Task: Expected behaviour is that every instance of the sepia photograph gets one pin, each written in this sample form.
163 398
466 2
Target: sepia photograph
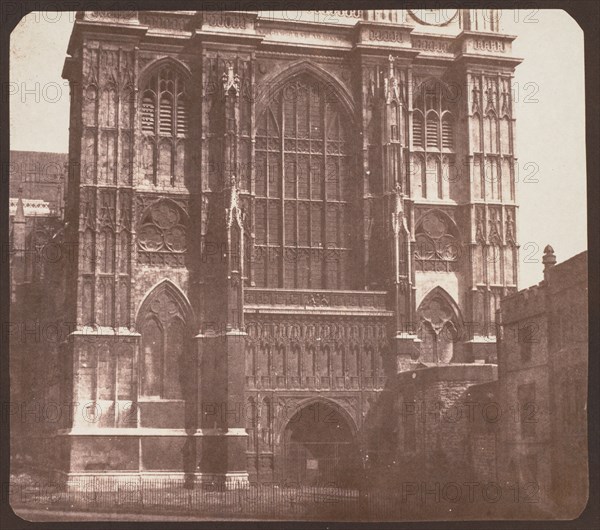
319 265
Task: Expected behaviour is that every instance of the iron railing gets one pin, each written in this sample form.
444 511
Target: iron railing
167 496
259 501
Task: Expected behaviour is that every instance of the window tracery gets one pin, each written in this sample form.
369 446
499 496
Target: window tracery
164 121
437 244
439 328
433 138
303 190
163 326
163 231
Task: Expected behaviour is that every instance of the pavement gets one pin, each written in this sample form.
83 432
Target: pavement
37 515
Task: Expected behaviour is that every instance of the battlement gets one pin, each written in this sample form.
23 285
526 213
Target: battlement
524 304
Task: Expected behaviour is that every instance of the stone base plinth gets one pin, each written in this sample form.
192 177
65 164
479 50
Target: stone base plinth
102 458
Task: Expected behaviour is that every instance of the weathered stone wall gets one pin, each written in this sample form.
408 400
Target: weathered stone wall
543 386
435 419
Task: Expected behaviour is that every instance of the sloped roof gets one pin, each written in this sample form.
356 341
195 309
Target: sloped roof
40 175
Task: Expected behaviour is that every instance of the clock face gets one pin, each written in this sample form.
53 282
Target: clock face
433 17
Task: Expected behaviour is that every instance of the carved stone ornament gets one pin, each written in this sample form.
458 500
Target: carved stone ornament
476 94
204 215
434 241
163 229
398 217
107 212
230 81
491 94
505 107
317 300
164 307
234 210
480 226
391 84
437 314
495 225
510 227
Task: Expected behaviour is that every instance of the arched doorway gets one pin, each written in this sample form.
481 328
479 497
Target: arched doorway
319 447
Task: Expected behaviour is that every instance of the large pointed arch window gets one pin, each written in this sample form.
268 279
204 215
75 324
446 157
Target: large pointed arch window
433 139
164 117
304 186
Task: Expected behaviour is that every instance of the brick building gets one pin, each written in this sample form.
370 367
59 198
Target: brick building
273 217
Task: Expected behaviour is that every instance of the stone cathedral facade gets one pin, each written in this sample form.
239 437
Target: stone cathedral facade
274 215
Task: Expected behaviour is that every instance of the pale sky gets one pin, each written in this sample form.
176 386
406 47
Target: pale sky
550 112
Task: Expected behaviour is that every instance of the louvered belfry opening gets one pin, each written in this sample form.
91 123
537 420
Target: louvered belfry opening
148 111
433 106
433 131
165 115
164 124
433 139
418 132
182 121
447 133
304 188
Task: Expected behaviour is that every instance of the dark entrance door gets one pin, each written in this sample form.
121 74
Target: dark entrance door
319 448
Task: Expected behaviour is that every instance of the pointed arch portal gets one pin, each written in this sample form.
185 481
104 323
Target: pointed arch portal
319 446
